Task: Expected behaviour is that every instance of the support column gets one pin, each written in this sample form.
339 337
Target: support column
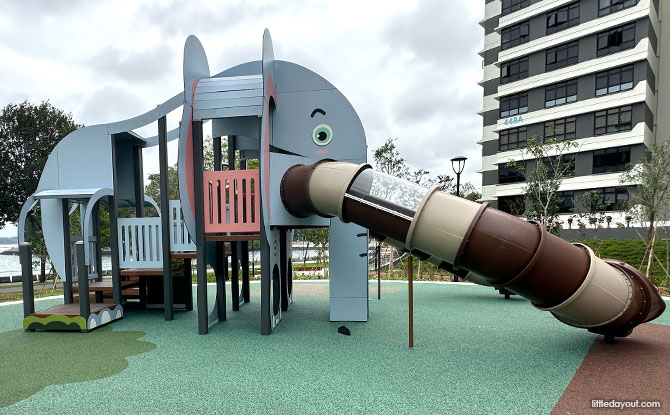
234 277
67 252
26 257
168 300
221 260
410 290
82 281
139 181
244 250
98 241
201 252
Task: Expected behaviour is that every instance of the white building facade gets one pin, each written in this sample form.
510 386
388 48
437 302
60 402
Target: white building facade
596 72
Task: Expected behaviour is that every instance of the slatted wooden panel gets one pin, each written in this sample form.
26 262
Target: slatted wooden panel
232 203
180 240
140 243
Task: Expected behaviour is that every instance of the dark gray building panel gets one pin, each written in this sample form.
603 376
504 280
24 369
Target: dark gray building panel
491 117
491 56
489 148
491 86
490 24
489 177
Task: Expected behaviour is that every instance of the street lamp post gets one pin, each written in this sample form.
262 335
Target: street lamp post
458 164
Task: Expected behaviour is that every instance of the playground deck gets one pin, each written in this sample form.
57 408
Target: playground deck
474 353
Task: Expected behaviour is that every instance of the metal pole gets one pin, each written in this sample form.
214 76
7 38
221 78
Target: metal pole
458 184
26 257
168 299
411 301
379 270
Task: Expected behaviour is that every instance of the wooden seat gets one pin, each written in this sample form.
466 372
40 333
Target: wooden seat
105 286
141 271
182 255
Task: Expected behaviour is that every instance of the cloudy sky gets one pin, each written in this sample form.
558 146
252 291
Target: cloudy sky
410 68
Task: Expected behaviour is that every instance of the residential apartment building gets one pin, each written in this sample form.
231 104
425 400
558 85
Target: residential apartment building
593 71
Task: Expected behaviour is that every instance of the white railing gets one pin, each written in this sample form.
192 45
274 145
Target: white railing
180 240
140 243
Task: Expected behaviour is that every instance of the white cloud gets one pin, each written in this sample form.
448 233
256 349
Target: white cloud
409 68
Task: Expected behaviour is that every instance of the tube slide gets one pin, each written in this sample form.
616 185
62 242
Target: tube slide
480 244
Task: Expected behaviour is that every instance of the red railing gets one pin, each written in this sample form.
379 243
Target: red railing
231 201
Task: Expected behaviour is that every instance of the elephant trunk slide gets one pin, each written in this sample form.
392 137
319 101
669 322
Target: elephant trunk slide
479 243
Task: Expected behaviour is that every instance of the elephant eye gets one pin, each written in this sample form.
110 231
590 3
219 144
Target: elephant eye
322 134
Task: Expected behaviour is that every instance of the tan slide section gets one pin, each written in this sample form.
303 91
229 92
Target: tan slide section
480 244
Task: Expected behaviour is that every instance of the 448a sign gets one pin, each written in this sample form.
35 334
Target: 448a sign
513 120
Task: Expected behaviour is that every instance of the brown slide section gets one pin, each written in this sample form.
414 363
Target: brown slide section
604 296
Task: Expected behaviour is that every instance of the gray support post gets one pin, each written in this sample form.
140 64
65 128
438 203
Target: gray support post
234 254
98 240
139 181
221 260
26 257
114 232
67 251
188 285
201 252
168 300
234 277
221 272
82 281
264 250
244 250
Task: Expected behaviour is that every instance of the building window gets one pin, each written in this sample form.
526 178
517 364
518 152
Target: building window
512 139
615 197
566 163
560 93
514 205
510 174
565 201
614 120
510 6
561 56
563 18
614 80
514 70
561 129
515 35
611 160
617 39
513 105
606 7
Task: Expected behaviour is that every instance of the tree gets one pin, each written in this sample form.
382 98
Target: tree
543 182
388 160
28 134
651 197
594 204
153 188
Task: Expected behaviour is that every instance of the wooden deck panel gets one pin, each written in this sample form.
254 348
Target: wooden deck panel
71 310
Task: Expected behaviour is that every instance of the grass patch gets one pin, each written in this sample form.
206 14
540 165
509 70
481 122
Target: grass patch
18 295
632 251
99 354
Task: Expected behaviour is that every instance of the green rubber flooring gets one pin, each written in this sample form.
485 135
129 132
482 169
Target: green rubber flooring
475 353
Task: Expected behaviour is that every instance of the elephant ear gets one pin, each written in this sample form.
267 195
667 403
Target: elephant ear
196 67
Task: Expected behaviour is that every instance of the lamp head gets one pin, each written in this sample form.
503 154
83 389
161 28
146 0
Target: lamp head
458 164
